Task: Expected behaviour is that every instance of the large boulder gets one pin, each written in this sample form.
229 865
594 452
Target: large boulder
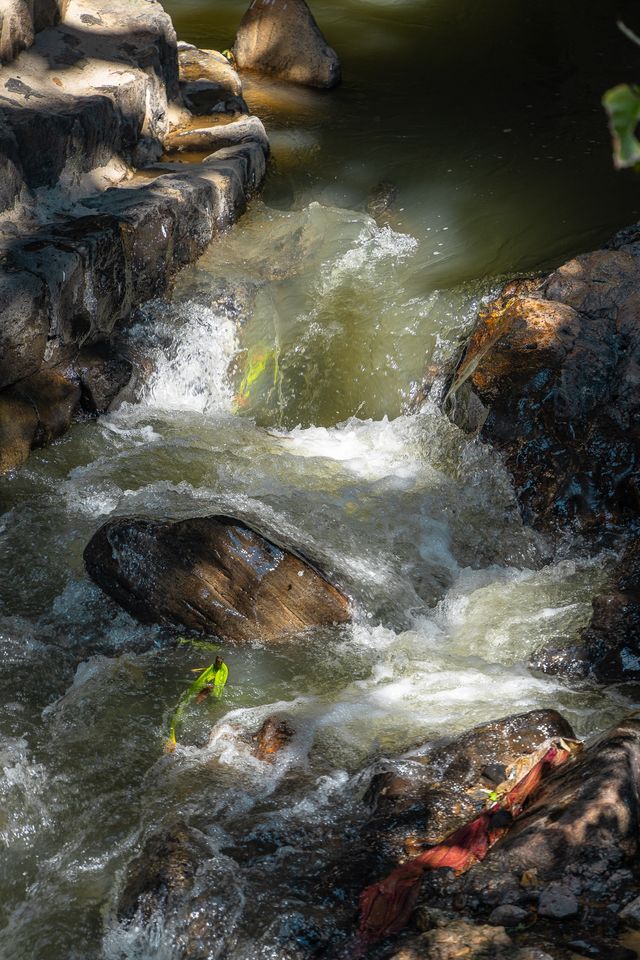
282 38
34 412
213 575
420 800
554 366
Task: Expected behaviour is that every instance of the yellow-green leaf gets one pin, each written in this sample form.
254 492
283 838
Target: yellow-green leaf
622 104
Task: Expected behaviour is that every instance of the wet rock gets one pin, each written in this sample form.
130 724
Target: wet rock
282 38
54 398
425 798
162 874
18 425
609 647
585 818
508 915
244 130
557 901
274 734
554 365
213 575
25 325
102 373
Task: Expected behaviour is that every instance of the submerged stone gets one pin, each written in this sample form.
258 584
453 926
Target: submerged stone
214 575
274 734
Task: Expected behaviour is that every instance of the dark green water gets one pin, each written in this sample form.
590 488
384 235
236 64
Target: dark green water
486 118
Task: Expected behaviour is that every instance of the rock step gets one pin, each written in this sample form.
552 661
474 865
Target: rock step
77 280
97 86
20 20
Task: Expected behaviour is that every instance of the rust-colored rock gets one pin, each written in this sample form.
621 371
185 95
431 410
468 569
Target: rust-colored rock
555 367
214 575
18 425
282 38
274 734
428 797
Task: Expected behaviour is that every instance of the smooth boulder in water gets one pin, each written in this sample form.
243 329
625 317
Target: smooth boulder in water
213 575
282 38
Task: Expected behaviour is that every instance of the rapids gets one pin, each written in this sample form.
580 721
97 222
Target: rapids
280 379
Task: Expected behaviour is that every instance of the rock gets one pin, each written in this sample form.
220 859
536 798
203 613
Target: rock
208 82
630 913
55 400
554 365
425 798
245 130
274 734
508 915
213 575
18 425
102 373
458 940
557 901
586 817
609 647
164 871
25 325
281 38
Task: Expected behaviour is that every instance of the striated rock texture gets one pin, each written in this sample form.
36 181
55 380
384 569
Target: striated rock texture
577 837
211 574
555 366
281 38
425 798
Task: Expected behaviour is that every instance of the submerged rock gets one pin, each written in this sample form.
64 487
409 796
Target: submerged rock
213 575
102 373
34 412
282 38
424 799
274 734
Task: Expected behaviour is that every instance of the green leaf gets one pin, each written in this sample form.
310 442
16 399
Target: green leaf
622 104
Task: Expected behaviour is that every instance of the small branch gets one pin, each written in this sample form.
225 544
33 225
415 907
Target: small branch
628 33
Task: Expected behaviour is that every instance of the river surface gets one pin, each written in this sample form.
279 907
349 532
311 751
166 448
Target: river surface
280 387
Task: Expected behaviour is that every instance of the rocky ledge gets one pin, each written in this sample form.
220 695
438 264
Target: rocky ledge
97 90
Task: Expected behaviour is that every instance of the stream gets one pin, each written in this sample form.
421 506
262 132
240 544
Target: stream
283 376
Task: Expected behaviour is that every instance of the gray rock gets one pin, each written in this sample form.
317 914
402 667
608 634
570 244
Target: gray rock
557 901
281 38
631 914
221 135
508 915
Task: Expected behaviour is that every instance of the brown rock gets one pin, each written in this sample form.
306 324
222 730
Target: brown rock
54 398
458 940
274 734
555 367
18 425
211 574
434 794
208 82
281 38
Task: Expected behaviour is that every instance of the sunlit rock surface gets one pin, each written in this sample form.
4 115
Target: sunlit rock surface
426 797
282 38
213 575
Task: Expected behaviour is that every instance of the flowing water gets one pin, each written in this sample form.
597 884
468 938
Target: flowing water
281 375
